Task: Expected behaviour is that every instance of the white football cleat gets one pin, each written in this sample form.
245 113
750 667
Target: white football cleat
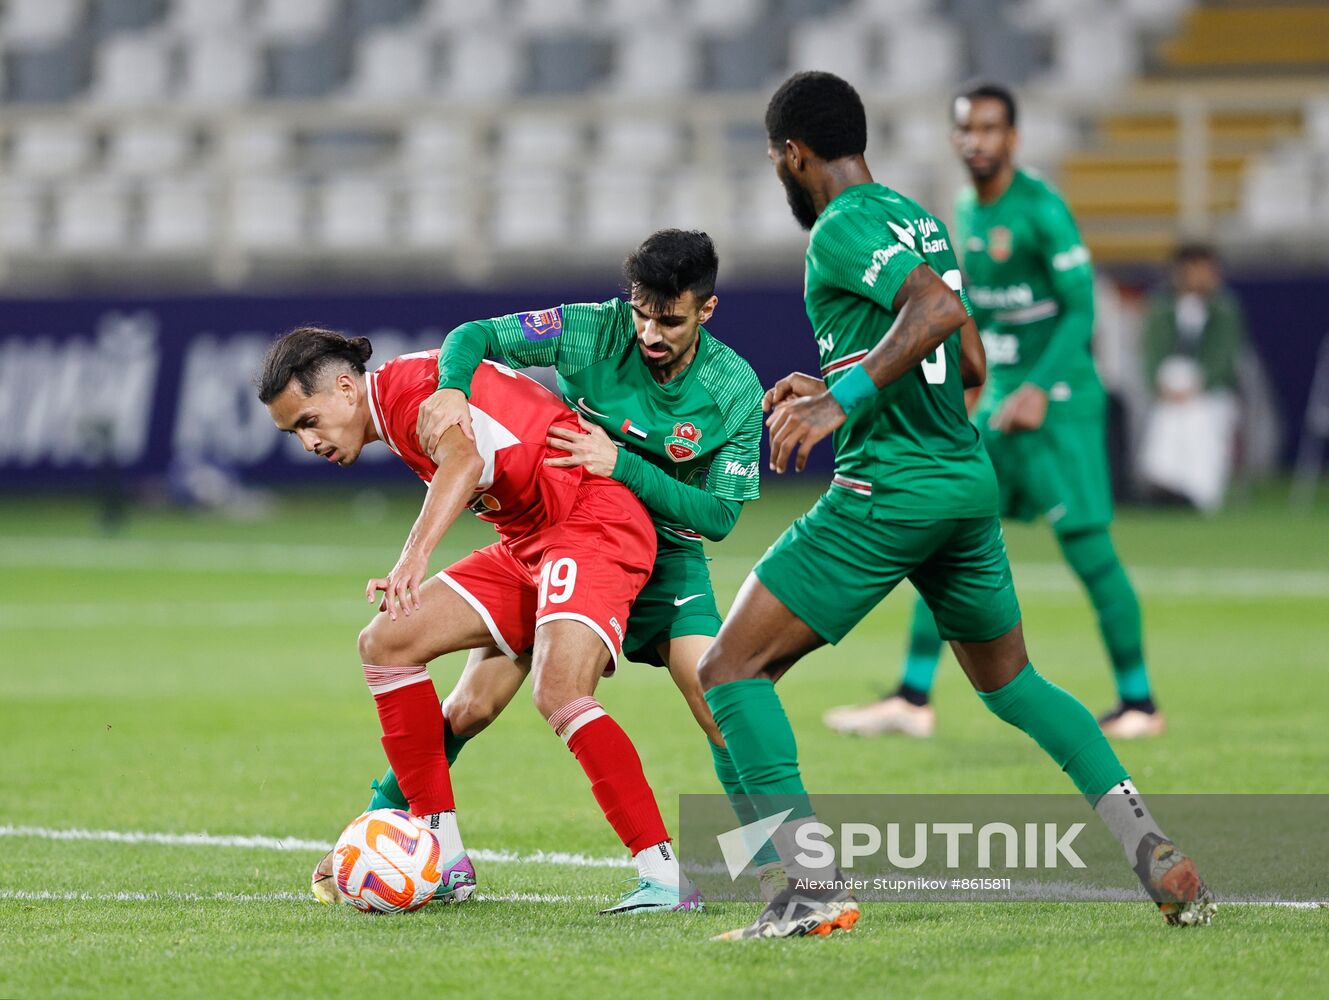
889 715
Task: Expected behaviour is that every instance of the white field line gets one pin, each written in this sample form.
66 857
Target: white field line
265 843
45 895
166 557
260 842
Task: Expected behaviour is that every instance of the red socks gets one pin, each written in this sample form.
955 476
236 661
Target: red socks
413 735
611 762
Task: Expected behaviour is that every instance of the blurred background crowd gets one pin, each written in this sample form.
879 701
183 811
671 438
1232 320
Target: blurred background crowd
181 179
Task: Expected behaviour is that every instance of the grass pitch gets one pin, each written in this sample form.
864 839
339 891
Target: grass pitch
195 674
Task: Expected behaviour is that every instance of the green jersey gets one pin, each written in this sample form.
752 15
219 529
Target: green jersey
1032 288
701 429
910 450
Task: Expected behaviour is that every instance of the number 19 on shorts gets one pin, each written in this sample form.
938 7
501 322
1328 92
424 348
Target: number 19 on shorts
558 578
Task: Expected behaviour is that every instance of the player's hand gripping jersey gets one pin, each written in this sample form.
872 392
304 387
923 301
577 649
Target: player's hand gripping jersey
909 453
1030 280
574 545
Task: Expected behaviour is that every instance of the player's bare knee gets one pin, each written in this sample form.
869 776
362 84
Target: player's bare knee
717 668
470 716
371 644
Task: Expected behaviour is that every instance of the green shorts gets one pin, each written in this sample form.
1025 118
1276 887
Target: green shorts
1059 471
677 600
836 563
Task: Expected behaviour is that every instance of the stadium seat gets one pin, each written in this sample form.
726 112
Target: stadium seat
293 21
268 212
390 64
1094 54
49 74
430 144
219 69
695 198
49 148
840 43
147 147
179 214
620 207
460 15
353 211
545 16
436 211
743 60
22 214
131 69
531 210
709 17
307 69
661 62
1278 193
531 141
632 141
39 23
922 57
565 65
206 17
92 213
481 65
638 15
257 145
761 212
364 15
126 15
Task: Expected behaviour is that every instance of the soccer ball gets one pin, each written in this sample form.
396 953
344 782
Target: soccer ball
384 863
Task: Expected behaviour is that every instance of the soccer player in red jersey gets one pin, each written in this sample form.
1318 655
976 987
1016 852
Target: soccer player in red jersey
573 551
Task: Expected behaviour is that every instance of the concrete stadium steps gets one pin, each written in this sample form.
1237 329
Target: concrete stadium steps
1292 37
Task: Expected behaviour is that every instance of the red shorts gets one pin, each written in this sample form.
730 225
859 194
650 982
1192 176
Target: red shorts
589 567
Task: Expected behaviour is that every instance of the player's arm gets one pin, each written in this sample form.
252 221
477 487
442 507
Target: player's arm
459 469
927 311
1067 261
566 337
709 515
973 359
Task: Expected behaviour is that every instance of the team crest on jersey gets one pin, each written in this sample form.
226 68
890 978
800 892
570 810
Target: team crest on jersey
684 443
542 325
1000 243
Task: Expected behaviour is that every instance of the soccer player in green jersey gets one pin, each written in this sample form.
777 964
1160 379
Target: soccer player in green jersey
669 411
913 497
1042 414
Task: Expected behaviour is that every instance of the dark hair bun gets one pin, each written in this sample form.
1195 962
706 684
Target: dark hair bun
361 348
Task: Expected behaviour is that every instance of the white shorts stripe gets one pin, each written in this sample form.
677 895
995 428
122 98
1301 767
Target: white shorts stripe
589 623
482 611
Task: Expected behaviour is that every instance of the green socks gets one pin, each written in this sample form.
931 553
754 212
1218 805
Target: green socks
744 808
924 650
761 743
388 794
1094 560
1062 727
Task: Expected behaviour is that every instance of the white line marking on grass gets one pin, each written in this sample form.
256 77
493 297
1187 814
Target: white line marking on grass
46 895
264 843
165 557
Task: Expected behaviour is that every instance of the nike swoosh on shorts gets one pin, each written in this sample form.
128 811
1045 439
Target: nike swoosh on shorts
680 601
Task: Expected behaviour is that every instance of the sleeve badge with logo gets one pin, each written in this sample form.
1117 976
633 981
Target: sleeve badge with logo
542 325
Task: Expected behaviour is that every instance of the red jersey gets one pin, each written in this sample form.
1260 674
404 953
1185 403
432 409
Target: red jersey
511 415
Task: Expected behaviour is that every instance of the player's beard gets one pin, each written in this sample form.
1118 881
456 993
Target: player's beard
800 202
